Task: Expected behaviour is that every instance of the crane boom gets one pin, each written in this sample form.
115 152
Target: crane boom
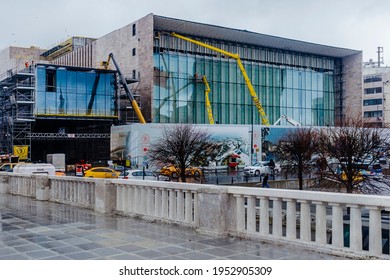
256 101
126 88
208 104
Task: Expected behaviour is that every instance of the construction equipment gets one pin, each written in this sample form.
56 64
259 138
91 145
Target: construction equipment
137 110
208 104
256 101
288 119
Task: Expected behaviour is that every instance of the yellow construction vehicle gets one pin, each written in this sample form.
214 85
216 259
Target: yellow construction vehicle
256 101
137 110
208 104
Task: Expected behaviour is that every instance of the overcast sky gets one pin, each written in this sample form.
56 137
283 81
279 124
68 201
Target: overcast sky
353 24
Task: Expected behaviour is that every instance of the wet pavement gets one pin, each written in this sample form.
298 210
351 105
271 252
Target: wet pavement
40 230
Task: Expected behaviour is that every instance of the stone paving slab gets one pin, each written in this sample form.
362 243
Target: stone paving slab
41 230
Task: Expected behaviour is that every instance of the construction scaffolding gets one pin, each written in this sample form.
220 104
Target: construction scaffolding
16 109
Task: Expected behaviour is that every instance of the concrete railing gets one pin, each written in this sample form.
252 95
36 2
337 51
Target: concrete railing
316 220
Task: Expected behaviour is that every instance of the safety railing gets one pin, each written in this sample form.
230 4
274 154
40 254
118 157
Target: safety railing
339 223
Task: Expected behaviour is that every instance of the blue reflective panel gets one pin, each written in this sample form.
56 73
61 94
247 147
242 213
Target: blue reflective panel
75 93
40 90
304 94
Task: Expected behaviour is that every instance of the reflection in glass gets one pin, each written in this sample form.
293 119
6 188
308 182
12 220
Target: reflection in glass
76 93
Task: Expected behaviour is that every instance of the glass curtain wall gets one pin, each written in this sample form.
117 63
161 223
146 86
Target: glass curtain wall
304 92
71 93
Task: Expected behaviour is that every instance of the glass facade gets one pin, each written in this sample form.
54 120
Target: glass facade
297 85
64 92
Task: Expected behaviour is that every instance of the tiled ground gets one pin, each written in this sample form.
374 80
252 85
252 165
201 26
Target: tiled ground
35 230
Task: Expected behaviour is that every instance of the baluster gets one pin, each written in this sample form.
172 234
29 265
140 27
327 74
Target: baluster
188 206
355 231
240 218
119 194
150 201
277 217
164 203
251 214
291 219
172 204
375 227
305 221
157 202
180 205
337 225
264 215
320 222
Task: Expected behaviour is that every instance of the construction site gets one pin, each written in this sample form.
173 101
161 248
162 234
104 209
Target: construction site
159 70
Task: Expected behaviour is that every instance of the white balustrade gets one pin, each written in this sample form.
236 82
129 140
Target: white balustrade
322 220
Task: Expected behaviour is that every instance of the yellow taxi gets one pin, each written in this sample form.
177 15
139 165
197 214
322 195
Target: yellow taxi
101 172
7 166
173 171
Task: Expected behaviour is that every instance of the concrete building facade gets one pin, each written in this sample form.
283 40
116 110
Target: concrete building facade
376 91
311 83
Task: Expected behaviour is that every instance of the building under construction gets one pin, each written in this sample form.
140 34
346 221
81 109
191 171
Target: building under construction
310 83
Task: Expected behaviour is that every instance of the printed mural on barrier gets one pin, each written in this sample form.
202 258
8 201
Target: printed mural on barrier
132 142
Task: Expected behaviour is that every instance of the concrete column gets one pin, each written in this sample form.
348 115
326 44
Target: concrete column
291 220
172 204
188 207
4 184
251 214
240 214
355 230
157 202
320 222
119 195
305 221
277 217
164 203
42 187
337 225
129 197
143 200
264 215
212 208
150 201
180 205
375 227
105 196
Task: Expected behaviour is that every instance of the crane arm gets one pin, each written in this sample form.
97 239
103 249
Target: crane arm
127 90
256 101
208 104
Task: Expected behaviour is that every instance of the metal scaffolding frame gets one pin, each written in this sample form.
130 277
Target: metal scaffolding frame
67 136
17 91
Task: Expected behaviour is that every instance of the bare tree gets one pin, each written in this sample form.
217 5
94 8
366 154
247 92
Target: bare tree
348 147
295 150
183 145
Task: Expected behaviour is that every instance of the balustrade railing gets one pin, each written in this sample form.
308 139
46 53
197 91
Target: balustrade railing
333 222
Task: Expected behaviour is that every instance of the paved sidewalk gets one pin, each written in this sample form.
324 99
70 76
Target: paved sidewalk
35 230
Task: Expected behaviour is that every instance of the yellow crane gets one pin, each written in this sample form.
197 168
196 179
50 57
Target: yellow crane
256 101
208 104
134 103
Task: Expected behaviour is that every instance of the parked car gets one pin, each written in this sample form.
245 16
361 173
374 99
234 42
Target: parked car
7 167
259 168
116 167
34 168
138 175
101 172
173 171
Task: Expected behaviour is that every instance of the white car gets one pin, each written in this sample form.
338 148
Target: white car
258 168
138 175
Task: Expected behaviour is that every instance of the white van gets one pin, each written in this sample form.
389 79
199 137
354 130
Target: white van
34 168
